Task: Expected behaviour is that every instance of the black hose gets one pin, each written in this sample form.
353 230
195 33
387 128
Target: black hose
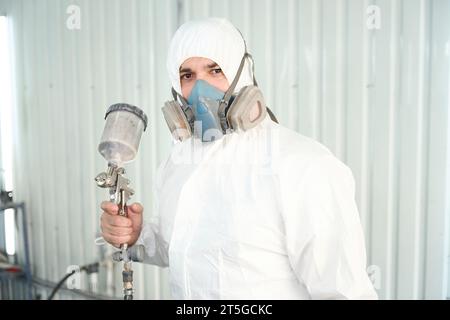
60 283
90 268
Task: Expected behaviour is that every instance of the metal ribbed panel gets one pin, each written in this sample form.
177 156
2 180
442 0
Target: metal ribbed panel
437 188
67 80
377 98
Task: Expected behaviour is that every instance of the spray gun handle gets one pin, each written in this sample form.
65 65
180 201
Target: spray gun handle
123 193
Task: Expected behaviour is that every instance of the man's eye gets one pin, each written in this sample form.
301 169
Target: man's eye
216 71
186 76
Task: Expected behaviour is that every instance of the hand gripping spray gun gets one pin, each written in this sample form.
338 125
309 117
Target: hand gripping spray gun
119 144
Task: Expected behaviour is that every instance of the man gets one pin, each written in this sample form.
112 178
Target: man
258 213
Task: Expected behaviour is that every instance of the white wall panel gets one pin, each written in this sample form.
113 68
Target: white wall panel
379 99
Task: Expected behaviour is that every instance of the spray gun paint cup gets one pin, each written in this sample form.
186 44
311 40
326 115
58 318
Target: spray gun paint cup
122 133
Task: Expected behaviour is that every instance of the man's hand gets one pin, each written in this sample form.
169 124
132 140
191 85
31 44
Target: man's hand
118 230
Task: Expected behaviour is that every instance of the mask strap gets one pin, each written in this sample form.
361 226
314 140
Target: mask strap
176 95
226 99
271 115
249 56
233 85
253 69
185 107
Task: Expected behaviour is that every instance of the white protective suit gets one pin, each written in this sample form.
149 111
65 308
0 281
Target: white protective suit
261 214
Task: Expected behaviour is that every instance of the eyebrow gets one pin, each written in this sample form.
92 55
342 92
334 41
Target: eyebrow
189 70
212 65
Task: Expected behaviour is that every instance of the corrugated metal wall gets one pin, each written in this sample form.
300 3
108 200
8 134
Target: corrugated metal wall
67 79
379 98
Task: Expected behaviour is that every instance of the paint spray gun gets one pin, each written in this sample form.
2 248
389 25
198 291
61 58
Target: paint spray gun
119 144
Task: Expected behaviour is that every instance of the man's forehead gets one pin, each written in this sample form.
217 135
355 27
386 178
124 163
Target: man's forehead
198 62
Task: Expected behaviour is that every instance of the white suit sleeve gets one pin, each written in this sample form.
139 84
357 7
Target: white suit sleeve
156 248
324 236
